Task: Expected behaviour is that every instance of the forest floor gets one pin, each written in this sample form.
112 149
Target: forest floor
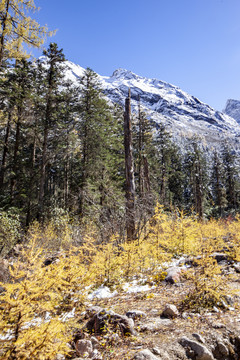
217 330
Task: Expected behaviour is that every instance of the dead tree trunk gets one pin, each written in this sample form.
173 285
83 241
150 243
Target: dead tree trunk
129 171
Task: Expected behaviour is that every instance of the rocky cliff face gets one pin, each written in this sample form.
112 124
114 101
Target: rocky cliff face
184 115
232 109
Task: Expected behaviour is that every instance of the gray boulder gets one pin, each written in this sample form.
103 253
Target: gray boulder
173 275
136 314
155 325
84 348
199 338
200 351
101 321
170 311
145 355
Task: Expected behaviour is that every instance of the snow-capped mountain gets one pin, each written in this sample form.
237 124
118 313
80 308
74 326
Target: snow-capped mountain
184 115
232 109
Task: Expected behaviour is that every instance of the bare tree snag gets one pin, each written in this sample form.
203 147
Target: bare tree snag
129 170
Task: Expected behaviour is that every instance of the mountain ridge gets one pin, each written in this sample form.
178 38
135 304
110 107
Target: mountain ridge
184 115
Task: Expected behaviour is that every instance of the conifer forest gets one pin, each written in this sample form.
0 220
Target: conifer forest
94 195
63 150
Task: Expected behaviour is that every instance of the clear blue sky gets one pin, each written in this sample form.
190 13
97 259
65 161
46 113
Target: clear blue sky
194 44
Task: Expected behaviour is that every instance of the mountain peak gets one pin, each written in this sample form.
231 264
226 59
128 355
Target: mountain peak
183 114
124 74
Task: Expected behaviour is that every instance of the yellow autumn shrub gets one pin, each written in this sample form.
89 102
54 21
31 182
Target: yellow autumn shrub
33 318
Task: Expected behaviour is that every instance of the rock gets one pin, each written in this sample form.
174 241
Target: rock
100 322
192 261
97 324
199 338
200 351
222 348
220 351
136 314
219 257
236 267
230 300
145 355
95 342
125 324
156 351
92 311
113 339
49 261
163 354
84 348
218 325
173 275
170 311
156 325
96 355
236 343
60 357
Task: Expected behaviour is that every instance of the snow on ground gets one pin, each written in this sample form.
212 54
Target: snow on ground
101 293
134 287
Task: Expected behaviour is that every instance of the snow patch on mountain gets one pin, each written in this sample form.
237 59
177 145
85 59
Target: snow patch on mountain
73 71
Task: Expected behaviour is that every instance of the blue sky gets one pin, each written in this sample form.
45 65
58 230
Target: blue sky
194 44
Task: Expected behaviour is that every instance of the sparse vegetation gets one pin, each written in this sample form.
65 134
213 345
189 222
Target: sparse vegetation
32 321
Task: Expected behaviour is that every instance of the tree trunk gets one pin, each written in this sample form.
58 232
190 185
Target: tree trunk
15 156
45 142
5 150
32 180
129 171
43 170
2 38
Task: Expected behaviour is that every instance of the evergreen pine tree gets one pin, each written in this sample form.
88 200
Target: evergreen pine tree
54 58
218 189
231 178
169 173
16 94
102 153
196 178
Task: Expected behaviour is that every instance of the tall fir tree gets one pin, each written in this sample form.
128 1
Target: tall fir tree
231 177
218 188
53 60
196 179
102 153
16 89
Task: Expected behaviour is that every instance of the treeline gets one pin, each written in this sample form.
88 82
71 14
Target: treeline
62 149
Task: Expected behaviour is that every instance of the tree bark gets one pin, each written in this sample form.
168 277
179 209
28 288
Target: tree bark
5 150
2 38
129 171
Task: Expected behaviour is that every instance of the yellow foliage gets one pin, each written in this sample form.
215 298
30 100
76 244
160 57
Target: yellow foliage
18 28
34 302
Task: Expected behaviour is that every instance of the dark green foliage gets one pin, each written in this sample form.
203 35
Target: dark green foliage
196 179
169 172
100 133
61 146
218 186
231 178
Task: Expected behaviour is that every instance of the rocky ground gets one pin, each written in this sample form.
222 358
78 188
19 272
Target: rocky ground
148 321
151 325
